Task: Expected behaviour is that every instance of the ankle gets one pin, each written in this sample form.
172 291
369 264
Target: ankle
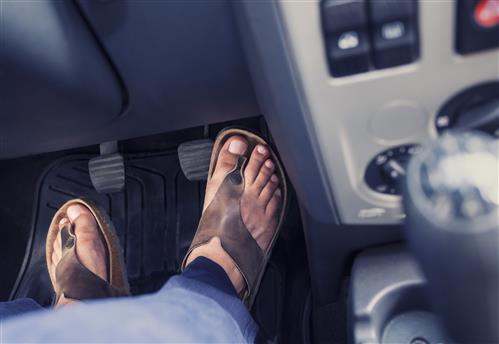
214 251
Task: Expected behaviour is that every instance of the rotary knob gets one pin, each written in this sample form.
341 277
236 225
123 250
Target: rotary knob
387 170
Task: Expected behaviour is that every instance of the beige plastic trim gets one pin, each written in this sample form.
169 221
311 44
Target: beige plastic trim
359 116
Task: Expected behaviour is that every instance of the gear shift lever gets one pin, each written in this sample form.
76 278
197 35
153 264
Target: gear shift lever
451 200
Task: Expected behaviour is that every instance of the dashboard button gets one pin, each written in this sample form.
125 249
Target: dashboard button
487 13
348 52
477 25
343 15
347 40
395 32
383 11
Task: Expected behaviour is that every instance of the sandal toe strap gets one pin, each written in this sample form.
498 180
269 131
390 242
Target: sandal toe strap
222 218
74 280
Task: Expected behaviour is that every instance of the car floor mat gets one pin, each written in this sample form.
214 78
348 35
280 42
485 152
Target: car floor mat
155 217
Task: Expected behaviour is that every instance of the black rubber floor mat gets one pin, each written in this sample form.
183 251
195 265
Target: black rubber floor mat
155 216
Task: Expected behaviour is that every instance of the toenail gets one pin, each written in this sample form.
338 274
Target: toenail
274 178
269 164
278 192
73 212
261 149
63 221
237 147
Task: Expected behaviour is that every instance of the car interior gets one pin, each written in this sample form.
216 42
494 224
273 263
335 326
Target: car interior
120 101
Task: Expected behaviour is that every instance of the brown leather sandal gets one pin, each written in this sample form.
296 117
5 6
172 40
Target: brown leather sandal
72 279
222 217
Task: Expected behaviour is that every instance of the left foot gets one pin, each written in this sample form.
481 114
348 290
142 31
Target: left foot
90 249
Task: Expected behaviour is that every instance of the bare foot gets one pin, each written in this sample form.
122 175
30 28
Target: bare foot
89 249
260 202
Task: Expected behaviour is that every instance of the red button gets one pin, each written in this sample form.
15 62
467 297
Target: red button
487 13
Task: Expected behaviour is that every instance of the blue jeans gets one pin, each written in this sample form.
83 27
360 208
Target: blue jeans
200 305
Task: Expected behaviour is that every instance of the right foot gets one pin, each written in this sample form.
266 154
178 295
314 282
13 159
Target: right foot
260 202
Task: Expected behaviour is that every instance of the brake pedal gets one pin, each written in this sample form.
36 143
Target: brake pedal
194 157
107 171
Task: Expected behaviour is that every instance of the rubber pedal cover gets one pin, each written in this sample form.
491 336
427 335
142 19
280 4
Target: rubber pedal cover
107 173
194 157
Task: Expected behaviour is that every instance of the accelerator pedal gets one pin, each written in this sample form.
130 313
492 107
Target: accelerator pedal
107 171
194 157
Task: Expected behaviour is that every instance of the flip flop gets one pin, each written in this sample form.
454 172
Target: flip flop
222 217
70 277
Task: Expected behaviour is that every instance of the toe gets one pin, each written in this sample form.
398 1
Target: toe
258 157
274 203
83 220
57 252
269 189
55 258
90 248
263 175
232 149
63 222
230 152
57 247
57 243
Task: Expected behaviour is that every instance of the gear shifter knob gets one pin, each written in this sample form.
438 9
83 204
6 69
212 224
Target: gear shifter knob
451 200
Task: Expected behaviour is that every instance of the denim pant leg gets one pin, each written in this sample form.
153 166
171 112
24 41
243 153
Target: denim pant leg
200 305
16 307
207 278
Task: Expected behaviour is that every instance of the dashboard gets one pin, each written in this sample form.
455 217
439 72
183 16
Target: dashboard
348 88
381 98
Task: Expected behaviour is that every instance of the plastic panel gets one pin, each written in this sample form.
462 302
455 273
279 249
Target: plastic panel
46 90
356 117
388 302
179 62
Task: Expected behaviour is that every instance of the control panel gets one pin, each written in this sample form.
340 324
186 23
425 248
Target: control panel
365 35
366 115
387 170
475 108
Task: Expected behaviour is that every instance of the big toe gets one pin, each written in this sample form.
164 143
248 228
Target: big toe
230 152
83 220
90 248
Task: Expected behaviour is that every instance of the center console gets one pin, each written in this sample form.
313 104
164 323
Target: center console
388 302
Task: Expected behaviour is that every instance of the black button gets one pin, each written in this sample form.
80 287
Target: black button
395 32
343 15
346 27
348 52
477 25
383 11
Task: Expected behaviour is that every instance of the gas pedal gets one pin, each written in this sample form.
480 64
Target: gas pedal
194 157
107 171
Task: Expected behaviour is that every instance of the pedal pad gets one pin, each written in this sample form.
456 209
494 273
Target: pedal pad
107 171
194 157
